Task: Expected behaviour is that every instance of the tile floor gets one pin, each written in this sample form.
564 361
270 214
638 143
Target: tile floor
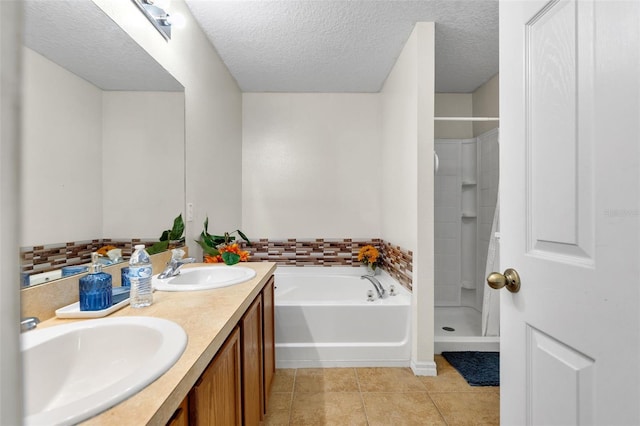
379 396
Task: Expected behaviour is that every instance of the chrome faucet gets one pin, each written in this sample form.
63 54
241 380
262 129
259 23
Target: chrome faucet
173 267
28 323
379 289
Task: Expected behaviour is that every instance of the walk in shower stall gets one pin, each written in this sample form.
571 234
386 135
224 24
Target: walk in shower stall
466 243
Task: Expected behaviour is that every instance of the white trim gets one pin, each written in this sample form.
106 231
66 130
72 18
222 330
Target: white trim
463 343
340 363
11 389
427 368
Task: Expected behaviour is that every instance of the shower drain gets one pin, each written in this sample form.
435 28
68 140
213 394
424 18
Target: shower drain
448 329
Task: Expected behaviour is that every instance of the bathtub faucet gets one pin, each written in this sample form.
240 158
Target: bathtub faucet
376 284
173 267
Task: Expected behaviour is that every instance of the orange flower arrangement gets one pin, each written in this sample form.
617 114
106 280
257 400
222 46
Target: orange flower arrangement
232 248
222 248
369 255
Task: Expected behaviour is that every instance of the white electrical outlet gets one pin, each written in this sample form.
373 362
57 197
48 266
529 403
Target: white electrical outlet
189 212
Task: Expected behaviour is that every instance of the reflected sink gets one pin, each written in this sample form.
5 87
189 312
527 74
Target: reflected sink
204 278
75 371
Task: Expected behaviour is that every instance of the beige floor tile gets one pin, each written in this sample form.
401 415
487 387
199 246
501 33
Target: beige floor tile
442 363
327 408
276 419
468 408
279 409
388 380
401 408
392 396
283 380
326 380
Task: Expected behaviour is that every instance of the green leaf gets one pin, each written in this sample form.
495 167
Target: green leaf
230 258
158 247
178 228
207 240
244 237
165 236
206 225
217 239
211 251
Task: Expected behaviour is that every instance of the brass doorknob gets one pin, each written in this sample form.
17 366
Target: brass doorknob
510 280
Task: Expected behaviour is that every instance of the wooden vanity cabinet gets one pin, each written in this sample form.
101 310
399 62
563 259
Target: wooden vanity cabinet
234 388
258 354
252 364
269 338
216 398
181 416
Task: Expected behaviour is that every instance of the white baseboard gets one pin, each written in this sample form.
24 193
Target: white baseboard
427 368
339 363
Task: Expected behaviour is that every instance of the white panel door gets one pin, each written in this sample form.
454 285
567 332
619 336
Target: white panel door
570 211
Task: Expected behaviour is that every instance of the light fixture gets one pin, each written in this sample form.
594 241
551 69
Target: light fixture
156 12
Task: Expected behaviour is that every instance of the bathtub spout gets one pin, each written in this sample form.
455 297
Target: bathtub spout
376 284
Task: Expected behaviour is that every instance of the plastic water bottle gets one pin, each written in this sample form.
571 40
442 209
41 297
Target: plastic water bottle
140 278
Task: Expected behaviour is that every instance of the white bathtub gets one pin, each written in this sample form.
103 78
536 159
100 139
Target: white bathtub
323 319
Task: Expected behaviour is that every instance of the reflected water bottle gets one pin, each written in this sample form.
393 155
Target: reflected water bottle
140 278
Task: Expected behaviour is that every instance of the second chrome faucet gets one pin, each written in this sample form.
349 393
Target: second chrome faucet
173 267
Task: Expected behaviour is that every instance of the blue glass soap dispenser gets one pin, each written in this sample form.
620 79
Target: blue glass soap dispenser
95 287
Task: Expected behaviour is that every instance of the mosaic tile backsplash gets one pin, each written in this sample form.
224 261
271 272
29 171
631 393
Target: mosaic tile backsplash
332 252
398 262
290 252
37 259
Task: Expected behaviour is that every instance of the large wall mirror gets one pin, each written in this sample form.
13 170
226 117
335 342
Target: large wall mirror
102 137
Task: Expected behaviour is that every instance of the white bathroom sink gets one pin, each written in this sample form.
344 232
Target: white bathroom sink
75 371
204 278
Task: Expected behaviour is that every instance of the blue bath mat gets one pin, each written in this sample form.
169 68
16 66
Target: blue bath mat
477 368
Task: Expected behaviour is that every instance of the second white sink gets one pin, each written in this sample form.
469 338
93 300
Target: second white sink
204 278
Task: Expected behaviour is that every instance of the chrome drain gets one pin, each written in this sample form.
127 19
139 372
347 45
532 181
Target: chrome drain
448 329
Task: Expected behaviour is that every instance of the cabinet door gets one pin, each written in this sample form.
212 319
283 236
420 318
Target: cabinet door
252 372
181 416
268 328
216 397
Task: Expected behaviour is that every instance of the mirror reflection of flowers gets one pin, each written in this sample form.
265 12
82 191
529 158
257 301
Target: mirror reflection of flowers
102 251
170 238
370 256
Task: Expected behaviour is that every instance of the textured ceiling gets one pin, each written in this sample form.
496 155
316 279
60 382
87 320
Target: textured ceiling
347 46
80 37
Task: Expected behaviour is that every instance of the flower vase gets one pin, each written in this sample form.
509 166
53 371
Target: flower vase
372 269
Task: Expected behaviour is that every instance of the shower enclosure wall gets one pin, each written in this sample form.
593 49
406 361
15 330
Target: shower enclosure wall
466 190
